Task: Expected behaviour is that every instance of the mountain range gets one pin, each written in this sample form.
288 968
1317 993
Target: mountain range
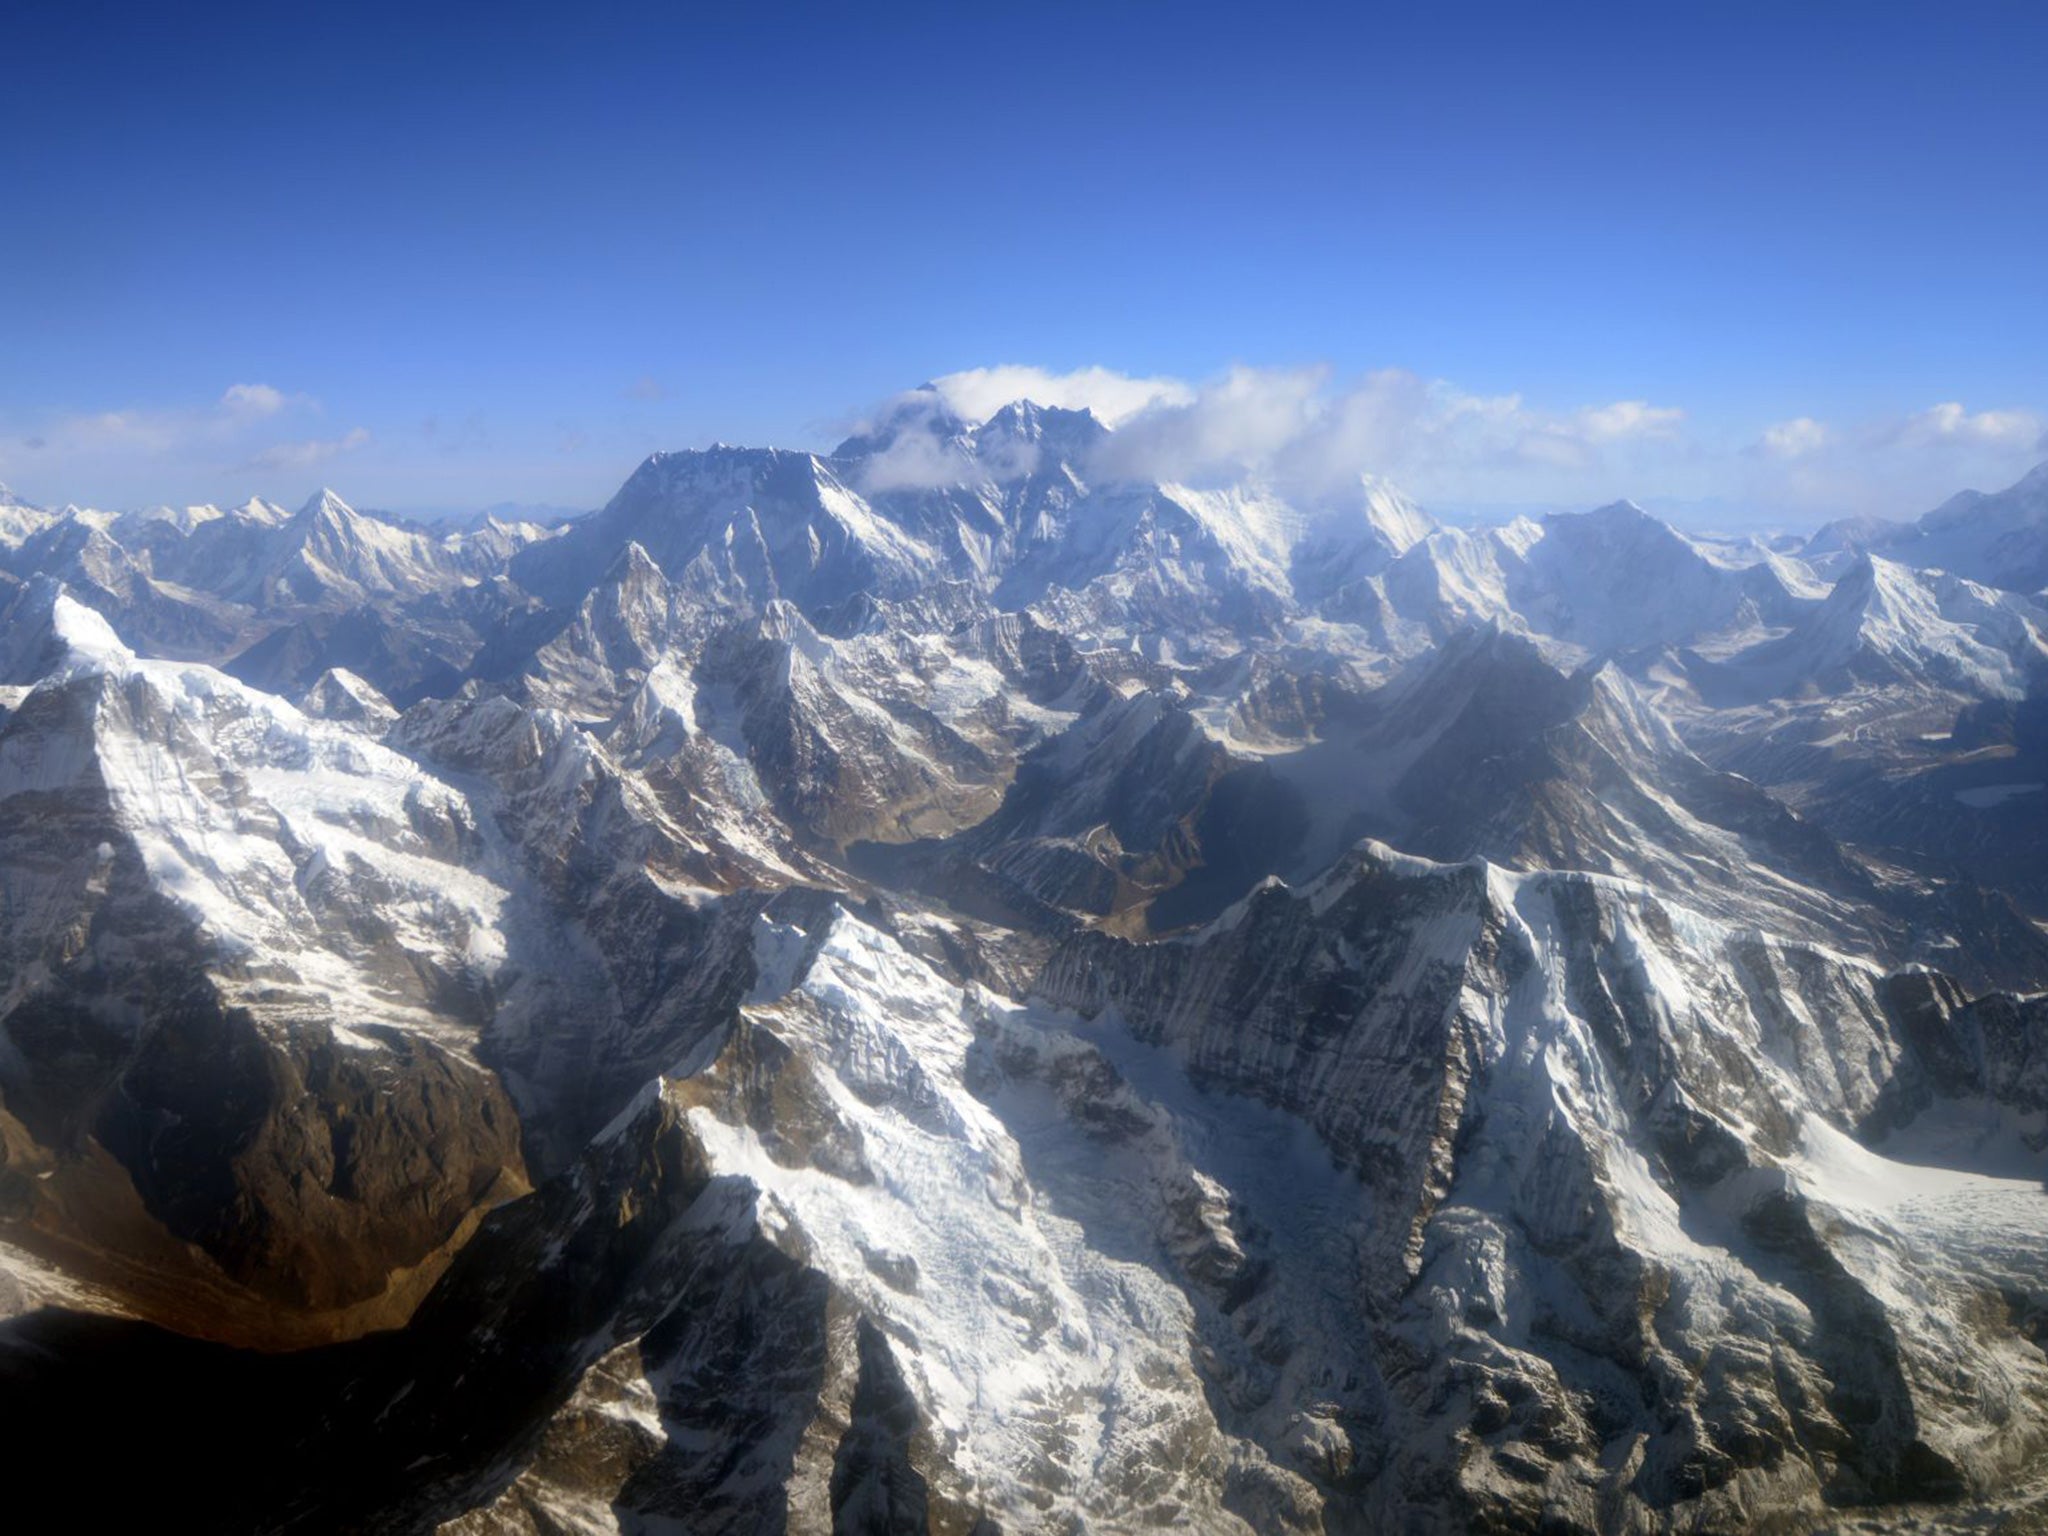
937 987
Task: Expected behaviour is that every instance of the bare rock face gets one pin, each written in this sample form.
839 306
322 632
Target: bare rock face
838 765
1608 1141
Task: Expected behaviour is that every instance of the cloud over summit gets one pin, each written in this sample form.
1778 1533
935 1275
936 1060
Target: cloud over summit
976 394
1300 427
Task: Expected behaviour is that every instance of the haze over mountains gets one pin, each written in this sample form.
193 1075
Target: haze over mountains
942 987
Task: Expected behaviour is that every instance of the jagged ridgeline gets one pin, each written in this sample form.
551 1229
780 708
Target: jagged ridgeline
936 988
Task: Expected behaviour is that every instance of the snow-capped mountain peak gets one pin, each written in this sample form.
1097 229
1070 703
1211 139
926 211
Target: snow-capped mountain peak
326 503
1998 538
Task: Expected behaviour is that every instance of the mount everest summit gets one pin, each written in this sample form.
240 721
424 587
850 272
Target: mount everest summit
940 988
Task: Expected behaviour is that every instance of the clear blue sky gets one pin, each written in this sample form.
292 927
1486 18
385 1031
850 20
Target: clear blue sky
502 252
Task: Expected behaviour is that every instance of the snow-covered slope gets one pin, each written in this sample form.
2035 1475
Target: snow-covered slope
1615 580
327 554
736 526
1886 623
18 518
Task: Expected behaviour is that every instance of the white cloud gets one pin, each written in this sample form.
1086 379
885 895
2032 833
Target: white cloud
237 411
1299 429
1313 434
920 459
117 432
1292 426
143 454
253 400
976 394
1897 465
304 455
1794 439
1627 418
1244 420
1949 421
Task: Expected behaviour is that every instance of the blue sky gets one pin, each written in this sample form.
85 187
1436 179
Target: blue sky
1755 261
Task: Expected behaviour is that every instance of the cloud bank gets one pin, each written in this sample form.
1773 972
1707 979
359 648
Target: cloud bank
1894 465
1313 433
247 429
1301 428
307 453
